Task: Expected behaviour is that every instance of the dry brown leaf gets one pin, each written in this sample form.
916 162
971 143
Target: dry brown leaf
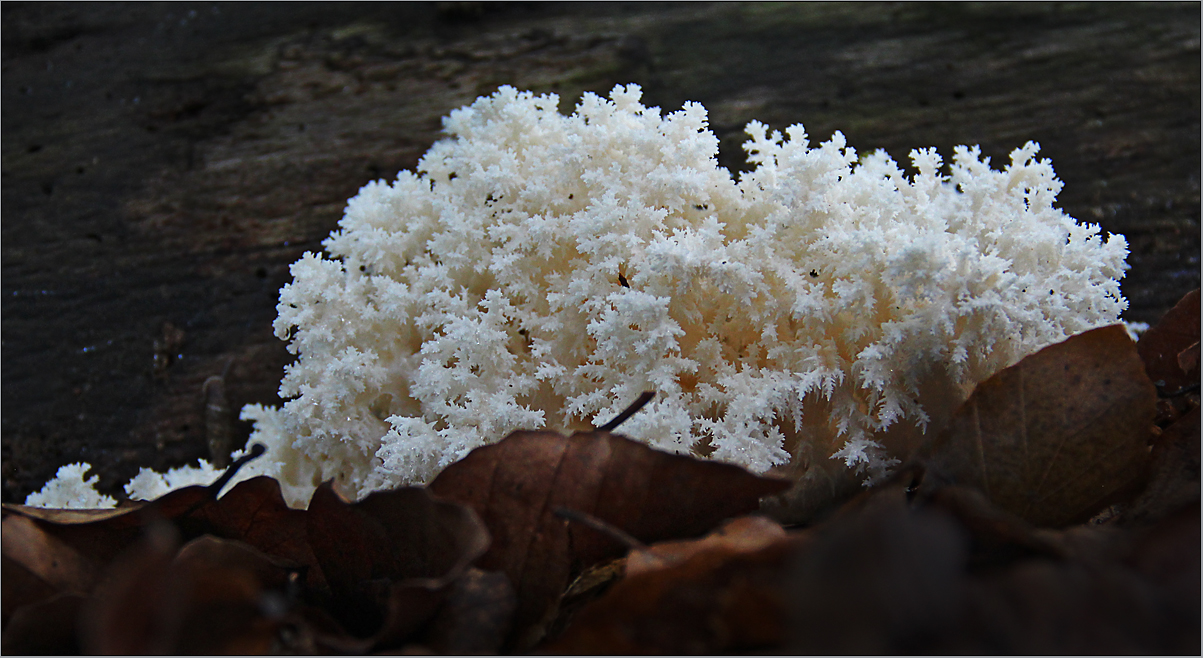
237 597
69 550
1162 344
1174 479
745 534
100 535
254 512
393 554
476 616
1168 555
47 627
741 535
1055 437
390 558
899 574
870 581
590 585
999 537
1188 360
55 562
21 587
717 601
137 606
515 486
212 596
1051 607
72 516
859 583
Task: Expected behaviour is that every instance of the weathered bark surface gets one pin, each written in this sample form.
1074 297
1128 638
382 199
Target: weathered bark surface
163 164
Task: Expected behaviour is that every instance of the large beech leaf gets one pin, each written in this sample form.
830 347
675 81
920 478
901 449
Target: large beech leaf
390 559
1057 436
516 486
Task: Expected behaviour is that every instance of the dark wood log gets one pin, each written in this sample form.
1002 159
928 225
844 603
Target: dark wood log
163 164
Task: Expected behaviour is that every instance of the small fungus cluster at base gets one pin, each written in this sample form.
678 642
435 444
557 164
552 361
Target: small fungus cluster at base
539 271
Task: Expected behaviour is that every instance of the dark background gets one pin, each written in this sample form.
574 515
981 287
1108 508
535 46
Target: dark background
163 164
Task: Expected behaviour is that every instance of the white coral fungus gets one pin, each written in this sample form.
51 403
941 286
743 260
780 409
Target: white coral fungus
69 490
149 485
541 270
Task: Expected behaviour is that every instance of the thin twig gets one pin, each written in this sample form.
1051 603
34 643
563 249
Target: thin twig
643 399
1189 388
215 488
597 524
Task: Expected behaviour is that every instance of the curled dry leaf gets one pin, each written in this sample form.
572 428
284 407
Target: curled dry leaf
47 627
79 542
390 559
898 573
100 535
590 585
382 566
1168 555
211 596
237 597
61 555
515 486
254 512
1170 350
744 534
56 563
999 537
21 586
716 601
138 606
741 535
1174 480
476 616
1188 359
67 548
1056 437
1161 346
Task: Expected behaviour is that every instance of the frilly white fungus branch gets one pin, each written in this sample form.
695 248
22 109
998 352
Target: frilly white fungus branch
541 270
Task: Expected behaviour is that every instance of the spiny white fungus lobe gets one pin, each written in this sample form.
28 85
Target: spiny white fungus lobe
542 270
